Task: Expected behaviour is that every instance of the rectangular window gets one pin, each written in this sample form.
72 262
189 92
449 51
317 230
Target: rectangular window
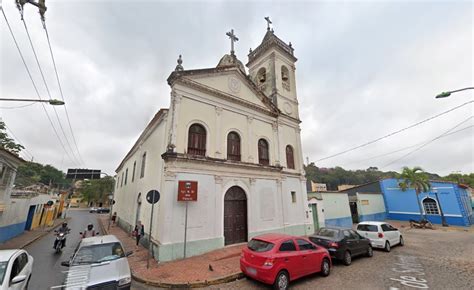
293 196
133 172
126 176
142 171
121 183
118 181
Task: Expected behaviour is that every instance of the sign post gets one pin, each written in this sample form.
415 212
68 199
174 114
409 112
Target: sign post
153 196
187 191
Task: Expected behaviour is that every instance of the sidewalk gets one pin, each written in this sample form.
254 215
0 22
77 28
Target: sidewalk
190 272
29 237
405 225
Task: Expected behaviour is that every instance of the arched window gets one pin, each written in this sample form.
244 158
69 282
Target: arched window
261 76
290 160
285 77
197 140
430 205
233 146
263 154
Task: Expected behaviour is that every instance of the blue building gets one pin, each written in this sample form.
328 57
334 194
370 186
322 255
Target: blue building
453 199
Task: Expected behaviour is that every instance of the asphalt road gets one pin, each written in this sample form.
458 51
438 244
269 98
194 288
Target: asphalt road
47 269
429 260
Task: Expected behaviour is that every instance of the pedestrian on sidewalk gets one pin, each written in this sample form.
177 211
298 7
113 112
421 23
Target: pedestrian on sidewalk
114 218
139 232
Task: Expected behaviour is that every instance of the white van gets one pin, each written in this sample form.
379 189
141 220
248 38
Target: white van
99 263
381 234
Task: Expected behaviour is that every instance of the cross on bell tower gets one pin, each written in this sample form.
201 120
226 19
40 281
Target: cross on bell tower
233 38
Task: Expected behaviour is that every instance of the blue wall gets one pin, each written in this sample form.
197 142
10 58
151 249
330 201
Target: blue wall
381 216
10 231
345 222
403 205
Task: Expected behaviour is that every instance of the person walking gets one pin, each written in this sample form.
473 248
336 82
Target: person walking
139 232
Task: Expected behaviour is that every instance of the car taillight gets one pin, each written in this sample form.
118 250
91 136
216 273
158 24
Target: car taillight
380 235
269 262
334 245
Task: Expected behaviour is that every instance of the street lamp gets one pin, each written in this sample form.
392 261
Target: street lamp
52 102
448 93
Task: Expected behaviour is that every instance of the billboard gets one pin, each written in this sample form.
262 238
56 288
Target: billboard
79 174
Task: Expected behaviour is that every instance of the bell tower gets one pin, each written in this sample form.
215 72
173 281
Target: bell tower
272 68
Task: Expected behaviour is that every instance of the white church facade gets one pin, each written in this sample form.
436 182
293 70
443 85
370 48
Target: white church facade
238 136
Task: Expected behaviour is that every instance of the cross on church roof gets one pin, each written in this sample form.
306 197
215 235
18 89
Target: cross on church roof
268 22
233 38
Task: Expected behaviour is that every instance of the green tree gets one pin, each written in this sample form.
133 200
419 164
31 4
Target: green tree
416 179
97 190
31 173
8 143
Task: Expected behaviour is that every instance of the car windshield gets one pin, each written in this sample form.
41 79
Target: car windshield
98 253
330 233
3 269
259 245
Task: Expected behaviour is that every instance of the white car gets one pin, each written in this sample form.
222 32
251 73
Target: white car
15 269
99 263
381 234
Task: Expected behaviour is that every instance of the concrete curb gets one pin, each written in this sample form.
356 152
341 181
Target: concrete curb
40 236
220 280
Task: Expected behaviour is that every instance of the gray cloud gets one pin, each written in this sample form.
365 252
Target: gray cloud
365 69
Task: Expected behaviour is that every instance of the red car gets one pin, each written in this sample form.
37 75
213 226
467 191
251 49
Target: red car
278 259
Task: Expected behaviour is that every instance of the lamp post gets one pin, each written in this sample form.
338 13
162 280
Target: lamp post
52 102
443 219
448 93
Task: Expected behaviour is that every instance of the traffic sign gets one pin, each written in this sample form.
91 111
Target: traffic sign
153 196
187 190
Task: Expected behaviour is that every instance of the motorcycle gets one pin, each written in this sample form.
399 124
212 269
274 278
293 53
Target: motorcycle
423 224
59 242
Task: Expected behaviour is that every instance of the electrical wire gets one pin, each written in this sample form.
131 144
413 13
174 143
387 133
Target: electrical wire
18 107
395 132
61 92
47 90
427 143
34 84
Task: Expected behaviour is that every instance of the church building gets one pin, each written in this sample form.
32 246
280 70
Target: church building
233 139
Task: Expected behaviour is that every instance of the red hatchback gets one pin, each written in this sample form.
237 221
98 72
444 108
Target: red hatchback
278 259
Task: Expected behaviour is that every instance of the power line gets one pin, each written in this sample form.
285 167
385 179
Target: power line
394 133
408 147
47 90
428 142
33 82
61 91
18 107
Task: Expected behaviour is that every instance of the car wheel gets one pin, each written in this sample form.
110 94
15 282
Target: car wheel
387 246
347 260
402 242
370 251
325 267
282 281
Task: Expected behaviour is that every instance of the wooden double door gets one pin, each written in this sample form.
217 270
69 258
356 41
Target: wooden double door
235 216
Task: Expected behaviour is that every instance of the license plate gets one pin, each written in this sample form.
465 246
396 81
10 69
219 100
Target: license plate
251 271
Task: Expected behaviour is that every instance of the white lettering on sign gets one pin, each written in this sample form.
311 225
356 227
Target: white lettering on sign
410 265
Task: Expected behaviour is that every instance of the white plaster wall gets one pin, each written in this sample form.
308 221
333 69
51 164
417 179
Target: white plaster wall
16 212
336 205
376 203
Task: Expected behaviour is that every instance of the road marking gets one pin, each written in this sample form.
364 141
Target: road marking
409 265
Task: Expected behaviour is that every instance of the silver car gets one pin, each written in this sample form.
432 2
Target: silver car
99 263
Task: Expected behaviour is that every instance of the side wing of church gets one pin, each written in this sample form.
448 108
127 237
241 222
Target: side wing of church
238 136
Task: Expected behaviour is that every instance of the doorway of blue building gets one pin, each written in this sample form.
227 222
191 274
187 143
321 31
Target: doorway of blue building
354 212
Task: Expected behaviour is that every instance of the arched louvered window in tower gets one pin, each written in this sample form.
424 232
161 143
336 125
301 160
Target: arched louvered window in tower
290 160
233 146
197 140
263 153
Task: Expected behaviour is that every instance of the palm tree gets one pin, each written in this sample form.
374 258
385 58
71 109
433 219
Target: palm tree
416 179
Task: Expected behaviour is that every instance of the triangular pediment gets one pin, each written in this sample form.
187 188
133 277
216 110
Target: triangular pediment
232 83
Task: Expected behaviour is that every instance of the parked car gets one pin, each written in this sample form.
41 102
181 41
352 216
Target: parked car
342 244
15 269
381 234
93 209
278 259
103 210
106 263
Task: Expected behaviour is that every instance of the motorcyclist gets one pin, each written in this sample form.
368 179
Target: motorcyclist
63 229
89 232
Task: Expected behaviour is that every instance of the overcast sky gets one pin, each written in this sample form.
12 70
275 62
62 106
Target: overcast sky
365 69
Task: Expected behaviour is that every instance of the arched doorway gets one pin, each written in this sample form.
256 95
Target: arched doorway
235 216
139 206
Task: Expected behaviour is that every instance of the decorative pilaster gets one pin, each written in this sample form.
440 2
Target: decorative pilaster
175 103
279 184
299 154
277 143
218 132
251 142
